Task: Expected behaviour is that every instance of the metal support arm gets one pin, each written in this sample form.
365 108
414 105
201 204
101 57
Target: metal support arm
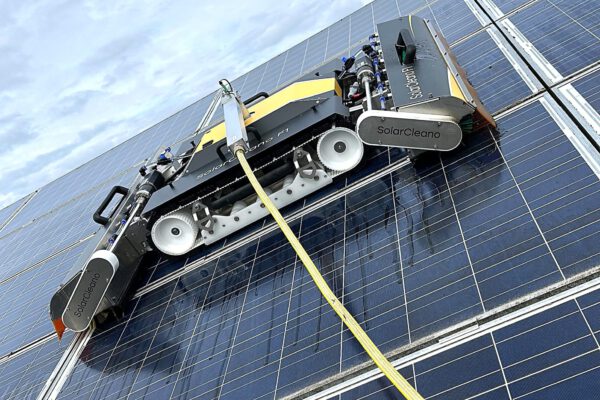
235 113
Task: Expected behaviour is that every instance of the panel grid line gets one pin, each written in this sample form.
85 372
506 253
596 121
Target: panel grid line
139 369
287 316
528 207
462 235
187 350
239 319
394 196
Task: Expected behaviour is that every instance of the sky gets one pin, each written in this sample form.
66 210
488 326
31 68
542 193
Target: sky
78 77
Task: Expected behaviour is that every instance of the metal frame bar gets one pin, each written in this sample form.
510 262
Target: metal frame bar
489 321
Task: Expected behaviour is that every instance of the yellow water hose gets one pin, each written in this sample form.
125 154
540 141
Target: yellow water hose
378 358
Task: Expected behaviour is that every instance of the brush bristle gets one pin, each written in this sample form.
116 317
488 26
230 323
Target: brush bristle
466 124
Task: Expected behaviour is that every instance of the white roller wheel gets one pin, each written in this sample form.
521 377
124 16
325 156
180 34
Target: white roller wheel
175 234
340 149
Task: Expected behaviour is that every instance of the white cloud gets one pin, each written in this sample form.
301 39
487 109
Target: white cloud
70 67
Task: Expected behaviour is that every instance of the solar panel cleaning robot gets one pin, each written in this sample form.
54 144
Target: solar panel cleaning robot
402 89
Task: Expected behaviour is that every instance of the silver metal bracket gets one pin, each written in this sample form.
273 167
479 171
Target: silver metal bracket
308 169
234 113
299 188
203 217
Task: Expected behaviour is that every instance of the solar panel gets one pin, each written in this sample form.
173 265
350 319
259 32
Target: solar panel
361 26
25 246
565 32
271 76
293 62
10 211
435 259
338 38
23 375
242 330
62 192
109 168
385 10
452 19
498 84
550 355
510 5
25 300
588 87
410 6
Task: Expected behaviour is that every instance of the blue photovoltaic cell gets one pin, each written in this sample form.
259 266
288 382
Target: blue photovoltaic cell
451 18
293 62
149 329
566 32
25 300
216 329
561 191
589 88
410 6
362 24
256 354
373 284
315 51
272 73
338 38
551 355
509 5
313 330
439 282
24 376
590 305
23 247
385 10
110 166
9 211
506 250
497 83
461 372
